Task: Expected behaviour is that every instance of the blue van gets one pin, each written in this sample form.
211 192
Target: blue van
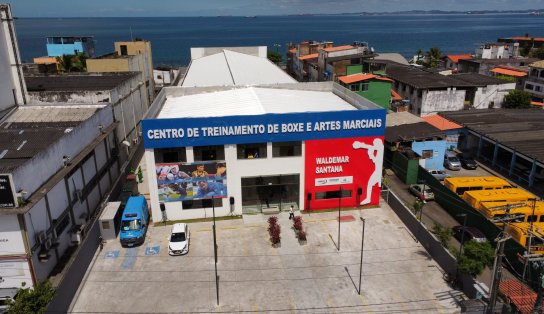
134 221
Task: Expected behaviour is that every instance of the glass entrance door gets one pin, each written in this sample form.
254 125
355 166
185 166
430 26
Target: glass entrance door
279 192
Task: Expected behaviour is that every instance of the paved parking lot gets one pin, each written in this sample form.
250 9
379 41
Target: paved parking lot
311 277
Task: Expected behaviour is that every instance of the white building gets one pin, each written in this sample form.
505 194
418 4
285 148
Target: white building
534 84
302 161
125 91
224 67
429 93
497 51
56 165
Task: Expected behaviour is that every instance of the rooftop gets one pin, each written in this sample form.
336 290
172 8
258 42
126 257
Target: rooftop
509 72
423 79
255 101
441 123
400 118
391 56
412 132
359 77
520 61
456 58
310 56
338 48
538 64
476 79
77 82
518 129
229 68
31 129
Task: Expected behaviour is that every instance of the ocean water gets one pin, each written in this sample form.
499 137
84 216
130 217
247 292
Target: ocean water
172 38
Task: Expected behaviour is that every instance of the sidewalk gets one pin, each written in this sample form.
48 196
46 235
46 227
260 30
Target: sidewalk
254 276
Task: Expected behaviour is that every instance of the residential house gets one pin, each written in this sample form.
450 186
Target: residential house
129 56
411 142
370 86
451 129
452 61
513 74
335 61
379 62
534 84
497 51
525 42
428 92
302 59
57 46
484 66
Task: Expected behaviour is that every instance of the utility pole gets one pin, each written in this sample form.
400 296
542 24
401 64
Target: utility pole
497 272
362 250
463 233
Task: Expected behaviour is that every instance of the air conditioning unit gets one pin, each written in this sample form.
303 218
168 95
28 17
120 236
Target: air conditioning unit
41 237
48 244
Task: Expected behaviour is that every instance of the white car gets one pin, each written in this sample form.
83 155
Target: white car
179 239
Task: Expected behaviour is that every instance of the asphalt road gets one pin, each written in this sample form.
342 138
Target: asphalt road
433 213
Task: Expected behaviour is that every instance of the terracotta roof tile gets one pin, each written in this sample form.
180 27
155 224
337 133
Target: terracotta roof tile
348 79
441 123
456 58
509 72
395 96
523 38
339 48
310 56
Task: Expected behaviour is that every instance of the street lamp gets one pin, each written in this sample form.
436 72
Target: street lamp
462 233
362 249
215 252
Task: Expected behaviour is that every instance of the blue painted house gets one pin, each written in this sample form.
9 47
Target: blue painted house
57 46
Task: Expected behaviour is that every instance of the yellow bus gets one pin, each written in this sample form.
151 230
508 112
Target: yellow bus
519 232
523 210
513 195
460 185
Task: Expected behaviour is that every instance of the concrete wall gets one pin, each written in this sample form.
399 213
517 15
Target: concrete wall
438 147
237 168
491 96
108 65
434 101
46 163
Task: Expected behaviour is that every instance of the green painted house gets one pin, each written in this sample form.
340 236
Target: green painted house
372 87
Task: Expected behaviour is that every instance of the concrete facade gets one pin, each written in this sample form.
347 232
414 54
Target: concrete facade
145 62
128 99
534 84
12 85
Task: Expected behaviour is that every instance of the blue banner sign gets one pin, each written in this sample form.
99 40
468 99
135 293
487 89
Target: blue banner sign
181 132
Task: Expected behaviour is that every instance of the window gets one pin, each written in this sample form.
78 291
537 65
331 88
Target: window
332 194
529 86
124 51
207 203
205 153
427 153
541 74
532 218
105 225
534 72
61 224
354 87
364 87
251 151
286 149
170 155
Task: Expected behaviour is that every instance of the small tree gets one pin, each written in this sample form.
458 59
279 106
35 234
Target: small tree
476 257
517 99
443 234
434 55
275 56
32 300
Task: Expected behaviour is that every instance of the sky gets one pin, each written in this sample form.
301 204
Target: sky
158 8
